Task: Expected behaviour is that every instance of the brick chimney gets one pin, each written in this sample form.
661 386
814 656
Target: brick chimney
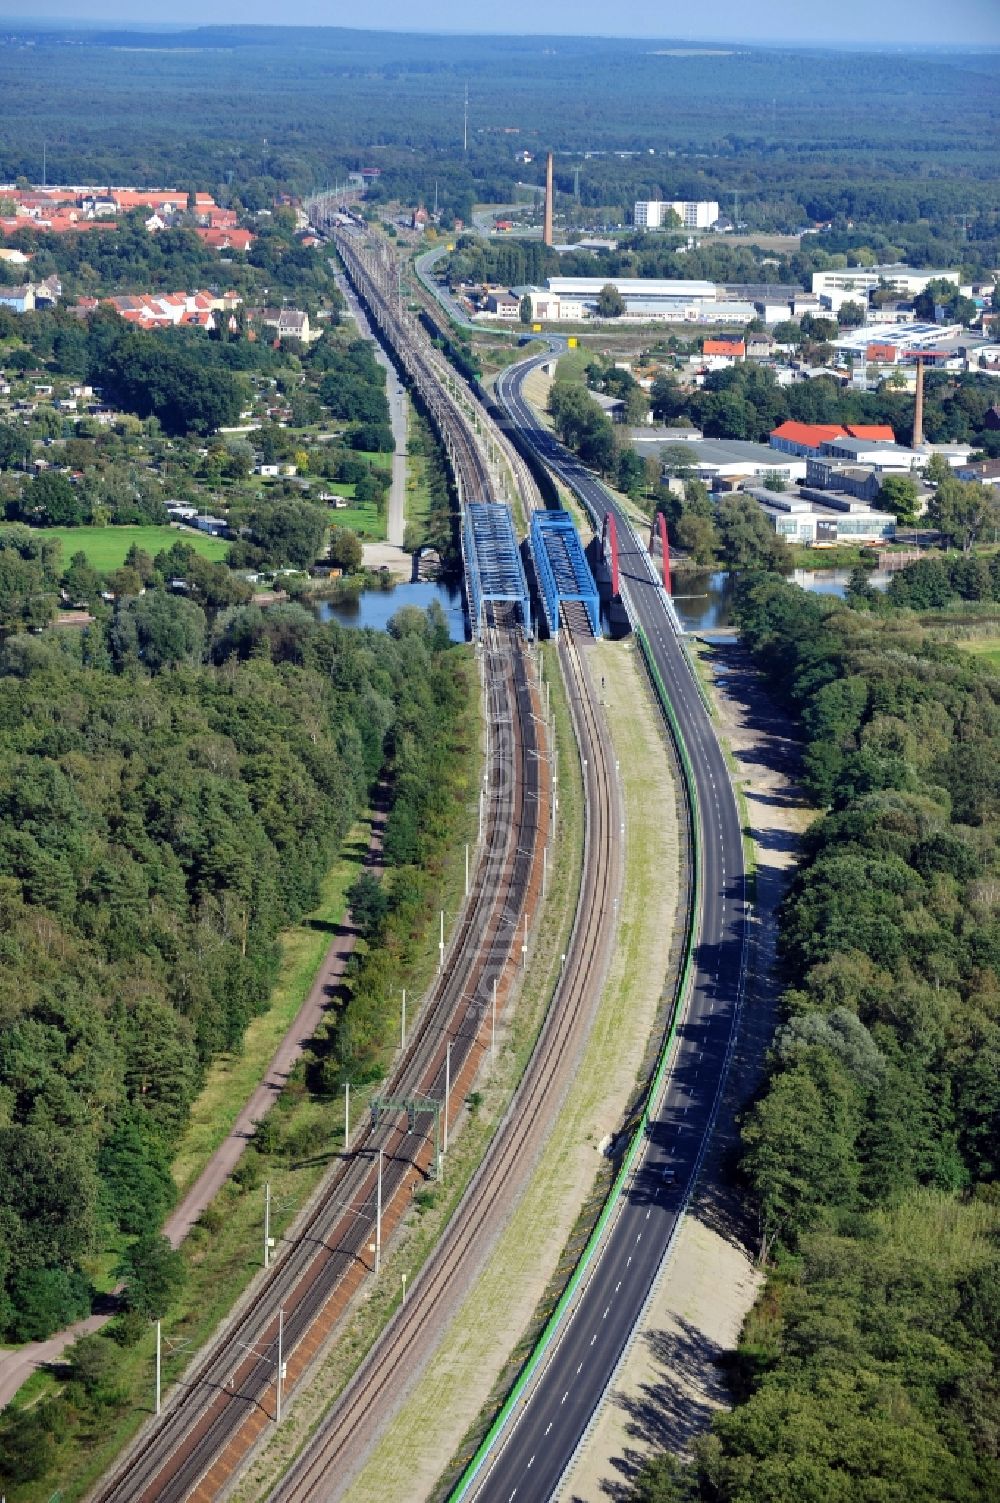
547 231
918 408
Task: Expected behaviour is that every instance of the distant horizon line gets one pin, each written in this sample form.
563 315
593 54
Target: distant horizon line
850 44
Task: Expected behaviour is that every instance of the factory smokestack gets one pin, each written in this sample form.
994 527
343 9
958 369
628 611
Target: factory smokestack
547 231
918 408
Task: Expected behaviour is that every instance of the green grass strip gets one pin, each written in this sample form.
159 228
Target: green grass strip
656 1084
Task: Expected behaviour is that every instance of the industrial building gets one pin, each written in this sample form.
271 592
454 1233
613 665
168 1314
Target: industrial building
907 281
887 459
727 463
792 437
694 214
646 299
891 343
802 519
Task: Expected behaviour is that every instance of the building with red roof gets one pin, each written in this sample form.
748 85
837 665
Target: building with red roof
808 438
804 438
735 349
237 240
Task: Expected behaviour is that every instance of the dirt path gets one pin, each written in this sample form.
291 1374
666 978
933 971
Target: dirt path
671 1380
16 1366
329 979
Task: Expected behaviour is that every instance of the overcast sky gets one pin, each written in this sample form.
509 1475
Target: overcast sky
847 21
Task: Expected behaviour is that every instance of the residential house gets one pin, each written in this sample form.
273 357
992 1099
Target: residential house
723 351
759 346
226 239
612 407
20 299
504 305
985 471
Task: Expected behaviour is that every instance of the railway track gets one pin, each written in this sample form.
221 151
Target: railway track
334 1455
228 1397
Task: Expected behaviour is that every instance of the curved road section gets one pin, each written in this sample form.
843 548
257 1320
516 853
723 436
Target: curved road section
534 1451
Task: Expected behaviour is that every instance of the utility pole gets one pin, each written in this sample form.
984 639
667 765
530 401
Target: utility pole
158 1367
466 868
281 1364
347 1114
441 944
267 1226
447 1094
493 1025
378 1217
402 1023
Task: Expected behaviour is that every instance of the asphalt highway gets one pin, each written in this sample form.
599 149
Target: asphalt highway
543 1436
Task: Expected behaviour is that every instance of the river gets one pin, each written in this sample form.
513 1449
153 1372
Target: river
704 599
375 607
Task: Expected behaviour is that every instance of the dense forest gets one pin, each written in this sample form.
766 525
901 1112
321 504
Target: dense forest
173 788
868 1370
267 108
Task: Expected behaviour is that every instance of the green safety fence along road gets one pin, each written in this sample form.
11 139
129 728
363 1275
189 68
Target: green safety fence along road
652 1095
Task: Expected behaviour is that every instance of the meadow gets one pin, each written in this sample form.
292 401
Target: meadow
106 547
